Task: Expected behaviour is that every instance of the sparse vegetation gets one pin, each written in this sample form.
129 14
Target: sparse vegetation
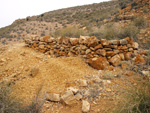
7 104
108 76
138 100
129 31
70 31
140 22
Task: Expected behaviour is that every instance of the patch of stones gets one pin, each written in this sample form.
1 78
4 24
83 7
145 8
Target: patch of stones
87 91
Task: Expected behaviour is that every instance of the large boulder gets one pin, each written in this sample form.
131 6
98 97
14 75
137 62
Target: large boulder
115 60
99 63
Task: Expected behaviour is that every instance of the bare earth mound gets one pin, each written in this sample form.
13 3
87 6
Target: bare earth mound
53 74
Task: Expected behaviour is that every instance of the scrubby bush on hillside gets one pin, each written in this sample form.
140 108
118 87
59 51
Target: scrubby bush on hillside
140 22
7 104
70 31
129 31
138 101
112 31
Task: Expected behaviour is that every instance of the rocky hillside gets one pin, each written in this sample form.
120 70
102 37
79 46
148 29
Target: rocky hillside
101 20
49 22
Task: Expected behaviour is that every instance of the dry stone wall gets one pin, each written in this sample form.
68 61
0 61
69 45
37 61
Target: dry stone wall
100 54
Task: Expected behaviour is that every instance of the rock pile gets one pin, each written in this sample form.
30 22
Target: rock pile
100 54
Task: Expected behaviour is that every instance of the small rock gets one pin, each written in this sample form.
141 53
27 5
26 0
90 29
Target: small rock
104 42
41 46
123 42
34 72
108 89
85 106
135 45
115 42
68 98
128 55
78 96
98 47
101 52
92 41
2 60
83 39
106 82
74 41
53 97
74 90
87 51
146 73
83 83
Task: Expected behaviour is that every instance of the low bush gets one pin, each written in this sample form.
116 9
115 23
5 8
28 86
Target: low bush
70 31
129 31
7 104
137 100
140 22
112 31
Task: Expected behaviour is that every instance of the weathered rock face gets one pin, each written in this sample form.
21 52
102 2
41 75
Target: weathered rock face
99 63
104 52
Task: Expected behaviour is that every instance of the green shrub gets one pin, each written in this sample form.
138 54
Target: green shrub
140 22
129 31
